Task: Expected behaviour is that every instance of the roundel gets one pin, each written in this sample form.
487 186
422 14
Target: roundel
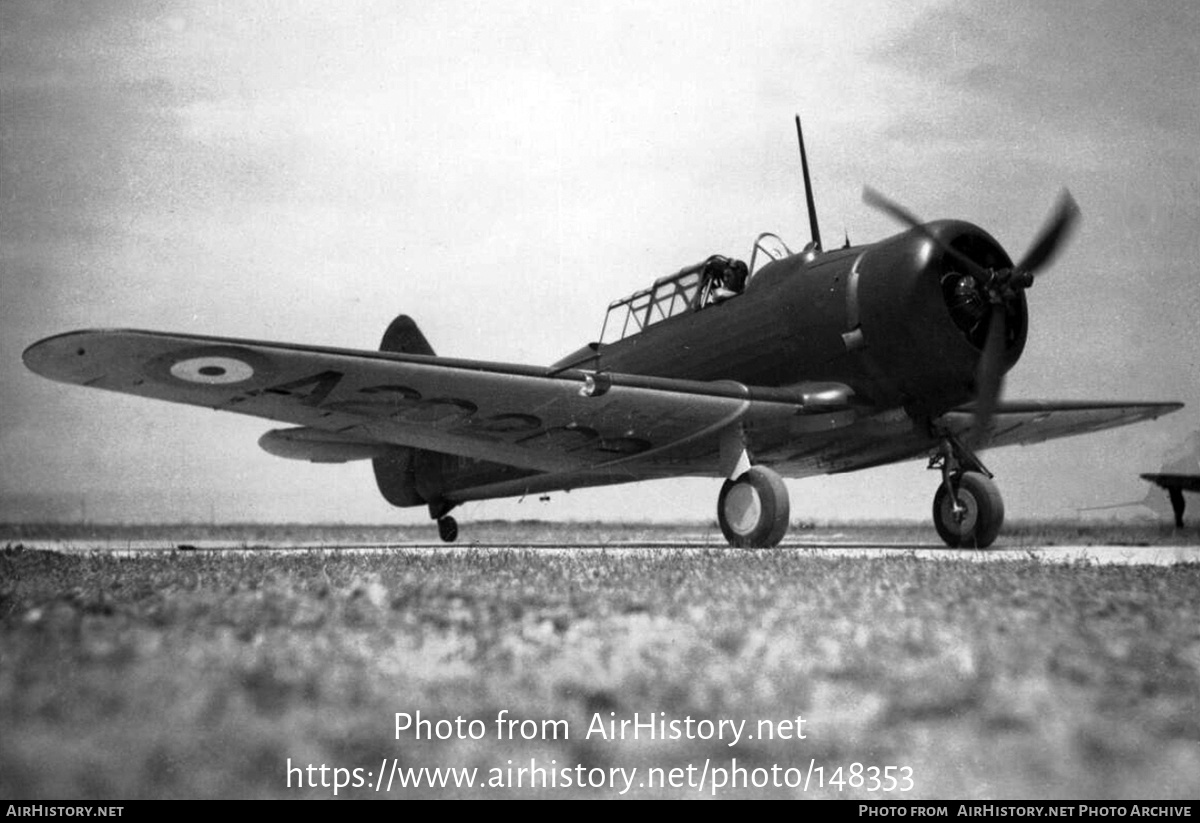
212 370
212 366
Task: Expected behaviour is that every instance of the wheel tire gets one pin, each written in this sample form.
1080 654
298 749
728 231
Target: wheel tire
982 519
447 529
753 510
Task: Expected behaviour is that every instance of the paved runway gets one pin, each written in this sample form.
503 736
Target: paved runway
1159 555
1101 555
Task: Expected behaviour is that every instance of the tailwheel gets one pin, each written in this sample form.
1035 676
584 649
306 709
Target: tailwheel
753 509
973 517
447 529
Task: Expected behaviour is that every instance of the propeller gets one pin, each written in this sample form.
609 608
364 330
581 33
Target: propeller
998 286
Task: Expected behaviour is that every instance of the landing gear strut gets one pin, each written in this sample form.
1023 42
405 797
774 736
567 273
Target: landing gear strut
1177 504
753 509
967 508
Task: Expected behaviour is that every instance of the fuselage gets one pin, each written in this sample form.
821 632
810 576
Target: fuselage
875 318
879 320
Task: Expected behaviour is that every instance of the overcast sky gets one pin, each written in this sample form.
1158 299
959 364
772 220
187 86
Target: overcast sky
501 171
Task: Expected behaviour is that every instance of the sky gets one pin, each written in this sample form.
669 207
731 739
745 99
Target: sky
500 171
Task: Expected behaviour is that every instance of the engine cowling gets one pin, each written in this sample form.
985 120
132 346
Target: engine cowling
924 322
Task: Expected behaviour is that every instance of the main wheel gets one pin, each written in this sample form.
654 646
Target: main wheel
753 509
447 529
978 522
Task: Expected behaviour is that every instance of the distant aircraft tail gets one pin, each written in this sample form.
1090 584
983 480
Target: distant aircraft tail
1155 502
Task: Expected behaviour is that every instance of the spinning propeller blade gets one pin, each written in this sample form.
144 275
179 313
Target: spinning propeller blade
989 374
876 200
1051 238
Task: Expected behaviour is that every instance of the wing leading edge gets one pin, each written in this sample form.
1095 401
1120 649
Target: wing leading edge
1034 421
572 428
351 404
1183 482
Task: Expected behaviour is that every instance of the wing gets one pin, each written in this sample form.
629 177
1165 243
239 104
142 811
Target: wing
352 404
1025 422
1186 482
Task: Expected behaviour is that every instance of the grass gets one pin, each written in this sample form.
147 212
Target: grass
1015 533
200 675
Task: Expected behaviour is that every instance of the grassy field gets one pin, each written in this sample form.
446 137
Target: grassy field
198 675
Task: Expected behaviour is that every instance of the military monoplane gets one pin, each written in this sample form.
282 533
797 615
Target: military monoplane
792 364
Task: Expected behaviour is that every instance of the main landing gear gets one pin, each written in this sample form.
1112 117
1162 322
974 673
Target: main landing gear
753 509
967 509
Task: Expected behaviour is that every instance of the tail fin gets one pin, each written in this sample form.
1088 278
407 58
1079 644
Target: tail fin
404 336
396 470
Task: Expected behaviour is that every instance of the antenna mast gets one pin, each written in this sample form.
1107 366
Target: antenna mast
808 194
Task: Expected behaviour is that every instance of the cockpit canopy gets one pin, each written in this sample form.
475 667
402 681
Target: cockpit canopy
668 297
716 279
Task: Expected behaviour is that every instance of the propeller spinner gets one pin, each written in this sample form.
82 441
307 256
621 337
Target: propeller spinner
997 286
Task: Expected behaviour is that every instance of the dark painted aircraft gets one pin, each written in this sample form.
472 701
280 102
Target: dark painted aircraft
794 365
